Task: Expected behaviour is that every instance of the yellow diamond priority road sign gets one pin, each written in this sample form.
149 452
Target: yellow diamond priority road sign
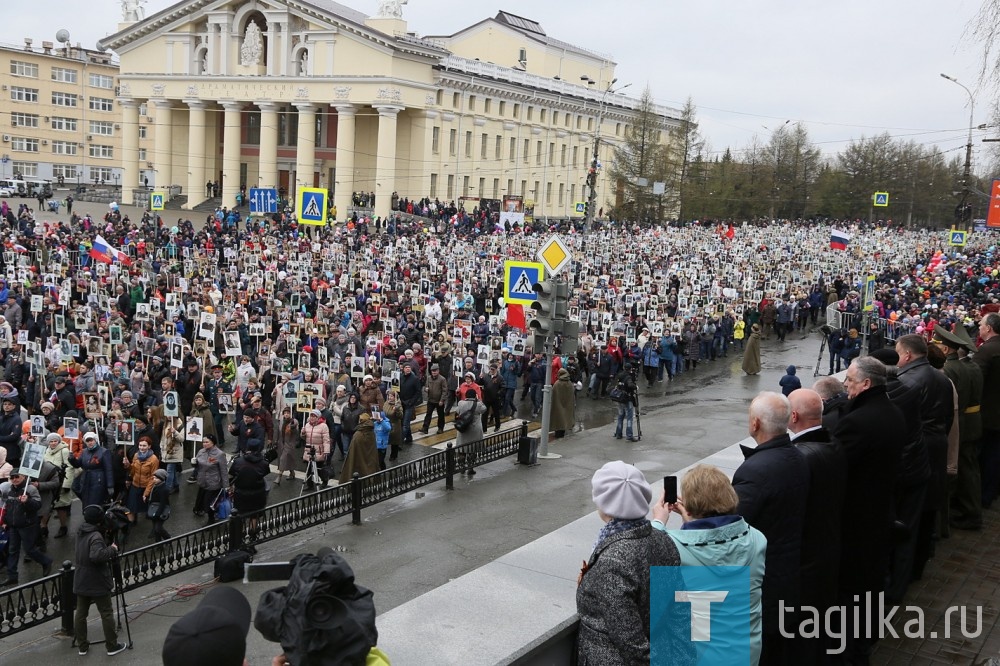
554 255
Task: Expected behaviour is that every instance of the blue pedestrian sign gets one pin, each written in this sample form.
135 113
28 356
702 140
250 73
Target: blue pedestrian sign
519 278
310 207
881 199
956 238
156 200
263 200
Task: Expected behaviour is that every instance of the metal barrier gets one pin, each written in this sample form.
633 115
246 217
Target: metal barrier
891 330
46 599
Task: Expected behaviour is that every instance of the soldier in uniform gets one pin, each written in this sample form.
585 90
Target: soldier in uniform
213 387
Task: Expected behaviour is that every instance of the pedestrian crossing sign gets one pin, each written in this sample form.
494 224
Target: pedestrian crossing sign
581 206
519 278
310 206
156 200
881 199
957 238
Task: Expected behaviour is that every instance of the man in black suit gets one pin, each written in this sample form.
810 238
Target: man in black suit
824 507
987 357
773 484
871 434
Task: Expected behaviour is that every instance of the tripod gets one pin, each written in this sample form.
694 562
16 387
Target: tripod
121 606
312 476
638 421
826 330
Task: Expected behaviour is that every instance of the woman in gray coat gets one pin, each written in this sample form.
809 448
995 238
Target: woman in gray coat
475 431
613 594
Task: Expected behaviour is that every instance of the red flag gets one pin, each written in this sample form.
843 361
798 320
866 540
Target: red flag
515 316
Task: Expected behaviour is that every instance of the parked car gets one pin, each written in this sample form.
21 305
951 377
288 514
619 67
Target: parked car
6 191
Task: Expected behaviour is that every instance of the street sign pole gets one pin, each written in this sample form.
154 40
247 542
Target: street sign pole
543 444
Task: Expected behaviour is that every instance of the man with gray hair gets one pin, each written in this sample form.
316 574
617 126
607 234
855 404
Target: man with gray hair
773 486
871 433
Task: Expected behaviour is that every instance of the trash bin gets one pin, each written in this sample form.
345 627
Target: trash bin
527 450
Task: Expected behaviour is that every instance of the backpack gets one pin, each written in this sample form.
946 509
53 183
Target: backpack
465 420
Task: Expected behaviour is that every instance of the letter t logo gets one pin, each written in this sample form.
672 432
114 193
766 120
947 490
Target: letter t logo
701 611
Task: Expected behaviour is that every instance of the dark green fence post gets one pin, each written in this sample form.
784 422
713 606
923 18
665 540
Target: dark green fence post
356 499
235 531
449 466
67 600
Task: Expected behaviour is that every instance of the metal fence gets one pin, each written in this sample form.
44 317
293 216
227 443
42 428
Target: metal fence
50 598
889 329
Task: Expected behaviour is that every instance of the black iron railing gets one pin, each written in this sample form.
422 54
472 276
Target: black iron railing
46 599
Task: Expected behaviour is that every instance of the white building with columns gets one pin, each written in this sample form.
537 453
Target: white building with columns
291 93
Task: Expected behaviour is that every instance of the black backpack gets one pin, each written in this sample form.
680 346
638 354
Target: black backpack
465 420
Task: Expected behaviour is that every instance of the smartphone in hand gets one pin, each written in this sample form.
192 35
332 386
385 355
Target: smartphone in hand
670 489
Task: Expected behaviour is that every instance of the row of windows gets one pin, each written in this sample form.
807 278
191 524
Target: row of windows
564 118
497 143
61 74
449 192
98 127
67 171
22 94
23 144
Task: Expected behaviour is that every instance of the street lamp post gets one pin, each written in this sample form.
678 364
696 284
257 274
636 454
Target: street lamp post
967 173
592 174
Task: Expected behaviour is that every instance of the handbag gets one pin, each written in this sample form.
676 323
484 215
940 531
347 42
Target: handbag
618 394
77 486
222 506
158 511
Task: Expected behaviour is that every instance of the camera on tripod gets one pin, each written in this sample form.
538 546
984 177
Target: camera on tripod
320 617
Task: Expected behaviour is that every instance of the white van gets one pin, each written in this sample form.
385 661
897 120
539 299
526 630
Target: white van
18 187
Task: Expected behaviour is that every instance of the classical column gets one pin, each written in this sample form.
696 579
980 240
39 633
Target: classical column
344 186
385 159
196 178
305 148
163 144
130 147
231 140
268 169
224 41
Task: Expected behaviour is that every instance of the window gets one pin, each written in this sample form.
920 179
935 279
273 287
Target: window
542 115
590 124
576 153
451 187
503 108
26 169
482 187
64 170
524 188
105 152
548 193
64 147
102 104
452 143
434 186
531 112
513 149
64 124
253 128
572 194
517 110
527 144
439 97
487 105
21 119
102 81
510 186
552 152
472 102
21 68
562 194
538 152
142 110
618 129
456 101
562 157
100 174
63 75
24 144
465 186
496 189
142 154
498 149
19 94
579 119
537 192
435 139
63 99
555 117
143 132
102 127
468 144
483 145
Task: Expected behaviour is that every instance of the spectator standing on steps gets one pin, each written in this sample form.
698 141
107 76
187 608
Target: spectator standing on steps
92 581
22 503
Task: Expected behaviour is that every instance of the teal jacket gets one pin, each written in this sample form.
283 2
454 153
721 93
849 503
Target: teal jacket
382 430
726 541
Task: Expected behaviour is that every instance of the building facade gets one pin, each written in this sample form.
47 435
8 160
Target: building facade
292 93
59 117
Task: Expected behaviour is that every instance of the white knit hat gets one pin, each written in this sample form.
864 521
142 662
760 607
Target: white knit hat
621 491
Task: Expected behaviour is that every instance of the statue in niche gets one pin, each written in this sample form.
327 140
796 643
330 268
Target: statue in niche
253 46
391 8
304 64
204 63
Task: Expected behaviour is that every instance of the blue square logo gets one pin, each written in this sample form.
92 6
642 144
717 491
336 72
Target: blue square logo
700 615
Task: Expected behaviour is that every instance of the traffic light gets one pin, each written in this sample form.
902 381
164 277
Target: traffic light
544 322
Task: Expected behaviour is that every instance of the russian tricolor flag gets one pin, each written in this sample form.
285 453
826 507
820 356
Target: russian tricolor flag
839 239
104 252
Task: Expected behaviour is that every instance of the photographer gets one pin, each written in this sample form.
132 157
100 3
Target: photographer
92 581
625 394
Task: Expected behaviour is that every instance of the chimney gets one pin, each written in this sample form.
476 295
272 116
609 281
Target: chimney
47 47
27 43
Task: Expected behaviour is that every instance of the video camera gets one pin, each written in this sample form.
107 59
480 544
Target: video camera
320 617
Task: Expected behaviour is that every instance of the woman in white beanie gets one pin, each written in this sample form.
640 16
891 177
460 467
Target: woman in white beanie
613 594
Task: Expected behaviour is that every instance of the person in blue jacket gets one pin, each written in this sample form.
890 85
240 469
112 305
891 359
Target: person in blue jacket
382 428
789 382
667 347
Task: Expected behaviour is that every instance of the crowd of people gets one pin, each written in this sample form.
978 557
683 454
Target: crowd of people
144 344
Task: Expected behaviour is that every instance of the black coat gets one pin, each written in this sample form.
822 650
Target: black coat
92 577
914 463
821 531
773 485
872 433
937 411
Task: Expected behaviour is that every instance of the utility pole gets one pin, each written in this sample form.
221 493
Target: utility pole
961 212
550 320
589 213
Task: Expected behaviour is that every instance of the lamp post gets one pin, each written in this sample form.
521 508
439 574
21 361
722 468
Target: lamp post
967 173
592 174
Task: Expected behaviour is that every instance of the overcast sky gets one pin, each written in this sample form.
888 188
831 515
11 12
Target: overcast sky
845 68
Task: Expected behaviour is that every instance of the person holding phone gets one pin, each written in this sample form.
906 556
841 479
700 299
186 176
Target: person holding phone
714 534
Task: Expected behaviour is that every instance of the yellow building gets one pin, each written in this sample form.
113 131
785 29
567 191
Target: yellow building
291 93
59 116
